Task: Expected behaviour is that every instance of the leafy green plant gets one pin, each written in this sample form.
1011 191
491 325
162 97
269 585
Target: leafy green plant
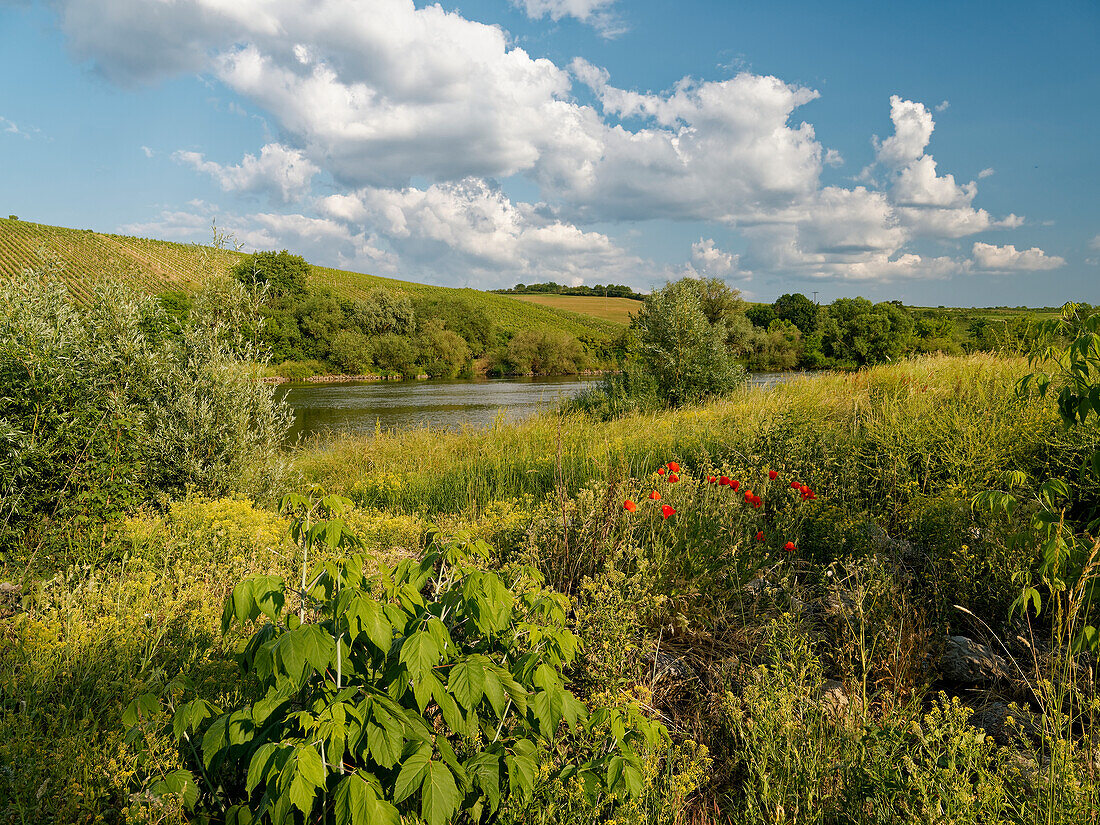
1063 519
431 690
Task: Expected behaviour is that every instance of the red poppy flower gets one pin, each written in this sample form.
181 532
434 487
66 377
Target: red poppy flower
773 475
655 496
789 546
757 503
749 495
673 478
672 465
666 511
735 484
712 479
629 506
804 489
661 471
795 485
811 495
760 535
725 481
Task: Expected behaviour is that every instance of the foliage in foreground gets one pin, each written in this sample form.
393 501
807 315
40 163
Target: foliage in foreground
734 644
431 687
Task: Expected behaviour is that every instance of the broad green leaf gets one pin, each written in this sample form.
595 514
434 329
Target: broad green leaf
181 783
367 617
262 761
142 707
358 803
412 774
522 768
614 772
484 771
310 765
439 795
419 654
466 681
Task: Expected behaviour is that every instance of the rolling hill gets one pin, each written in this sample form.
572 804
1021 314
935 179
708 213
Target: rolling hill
82 258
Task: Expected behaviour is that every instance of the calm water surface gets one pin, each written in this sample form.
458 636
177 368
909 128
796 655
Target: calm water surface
442 405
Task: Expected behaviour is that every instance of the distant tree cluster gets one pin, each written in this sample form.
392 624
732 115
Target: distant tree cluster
692 340
551 288
309 330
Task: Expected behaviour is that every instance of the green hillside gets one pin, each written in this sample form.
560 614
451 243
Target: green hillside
83 257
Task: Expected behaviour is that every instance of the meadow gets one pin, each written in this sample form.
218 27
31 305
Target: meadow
796 652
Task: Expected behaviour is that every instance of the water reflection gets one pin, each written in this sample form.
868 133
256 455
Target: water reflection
401 405
443 405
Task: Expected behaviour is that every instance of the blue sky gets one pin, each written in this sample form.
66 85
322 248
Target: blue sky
941 153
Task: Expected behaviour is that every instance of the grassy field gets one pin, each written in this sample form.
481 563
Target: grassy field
617 310
83 257
894 454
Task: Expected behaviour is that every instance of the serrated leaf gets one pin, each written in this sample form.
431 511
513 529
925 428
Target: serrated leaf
419 654
439 795
522 768
466 681
358 803
484 771
369 618
180 782
411 776
614 772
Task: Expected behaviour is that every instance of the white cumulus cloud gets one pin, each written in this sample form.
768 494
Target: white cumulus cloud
709 260
280 171
1009 259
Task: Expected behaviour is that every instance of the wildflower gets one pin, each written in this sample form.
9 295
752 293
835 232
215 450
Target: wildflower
760 535
629 506
789 546
773 475
804 490
673 466
712 479
724 481
661 471
667 510
673 478
735 484
655 496
795 485
749 495
757 503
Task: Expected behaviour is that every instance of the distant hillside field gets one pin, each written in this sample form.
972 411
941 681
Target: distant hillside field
83 257
617 310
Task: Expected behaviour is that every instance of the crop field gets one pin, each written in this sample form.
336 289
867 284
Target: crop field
83 258
617 310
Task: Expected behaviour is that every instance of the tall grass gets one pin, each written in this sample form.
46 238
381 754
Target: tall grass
876 437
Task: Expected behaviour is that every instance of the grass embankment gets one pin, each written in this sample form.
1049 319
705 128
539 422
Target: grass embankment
83 258
726 639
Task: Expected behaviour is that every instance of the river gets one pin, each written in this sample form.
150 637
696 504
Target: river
322 409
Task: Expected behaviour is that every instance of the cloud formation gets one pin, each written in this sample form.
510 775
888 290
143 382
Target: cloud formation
417 114
1009 259
279 171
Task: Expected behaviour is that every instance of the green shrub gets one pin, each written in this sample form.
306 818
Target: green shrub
431 689
684 351
105 408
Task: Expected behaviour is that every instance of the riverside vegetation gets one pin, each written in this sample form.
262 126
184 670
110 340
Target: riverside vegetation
746 608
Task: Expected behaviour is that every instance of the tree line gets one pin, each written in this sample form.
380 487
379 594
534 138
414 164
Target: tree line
308 330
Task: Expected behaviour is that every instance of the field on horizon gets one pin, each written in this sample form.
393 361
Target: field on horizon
616 310
82 258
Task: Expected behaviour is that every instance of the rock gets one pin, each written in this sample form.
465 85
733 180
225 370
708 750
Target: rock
833 699
667 666
970 663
